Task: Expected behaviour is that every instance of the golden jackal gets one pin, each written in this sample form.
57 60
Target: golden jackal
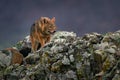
41 31
17 57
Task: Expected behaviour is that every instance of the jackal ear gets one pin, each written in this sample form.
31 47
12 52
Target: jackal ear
44 20
53 19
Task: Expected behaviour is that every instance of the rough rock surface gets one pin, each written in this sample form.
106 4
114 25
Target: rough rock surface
68 57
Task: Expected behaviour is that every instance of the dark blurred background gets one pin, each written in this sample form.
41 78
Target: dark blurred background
79 16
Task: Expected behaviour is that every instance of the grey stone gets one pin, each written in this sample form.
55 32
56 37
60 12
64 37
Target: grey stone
68 57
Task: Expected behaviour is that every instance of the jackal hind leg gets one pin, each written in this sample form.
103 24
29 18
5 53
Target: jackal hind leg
42 42
34 45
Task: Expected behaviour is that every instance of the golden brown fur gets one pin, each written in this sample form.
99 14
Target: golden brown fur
41 32
17 57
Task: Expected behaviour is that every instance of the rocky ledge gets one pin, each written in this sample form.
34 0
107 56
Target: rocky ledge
67 57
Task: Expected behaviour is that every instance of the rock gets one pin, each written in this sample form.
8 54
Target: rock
10 56
24 46
71 75
63 35
5 60
111 50
116 77
68 57
66 61
32 59
14 72
71 58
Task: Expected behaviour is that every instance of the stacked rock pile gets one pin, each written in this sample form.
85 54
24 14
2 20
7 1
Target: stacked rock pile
68 57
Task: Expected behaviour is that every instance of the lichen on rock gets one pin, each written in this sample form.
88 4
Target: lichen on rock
69 57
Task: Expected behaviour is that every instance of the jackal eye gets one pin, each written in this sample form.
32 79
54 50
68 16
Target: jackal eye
50 26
